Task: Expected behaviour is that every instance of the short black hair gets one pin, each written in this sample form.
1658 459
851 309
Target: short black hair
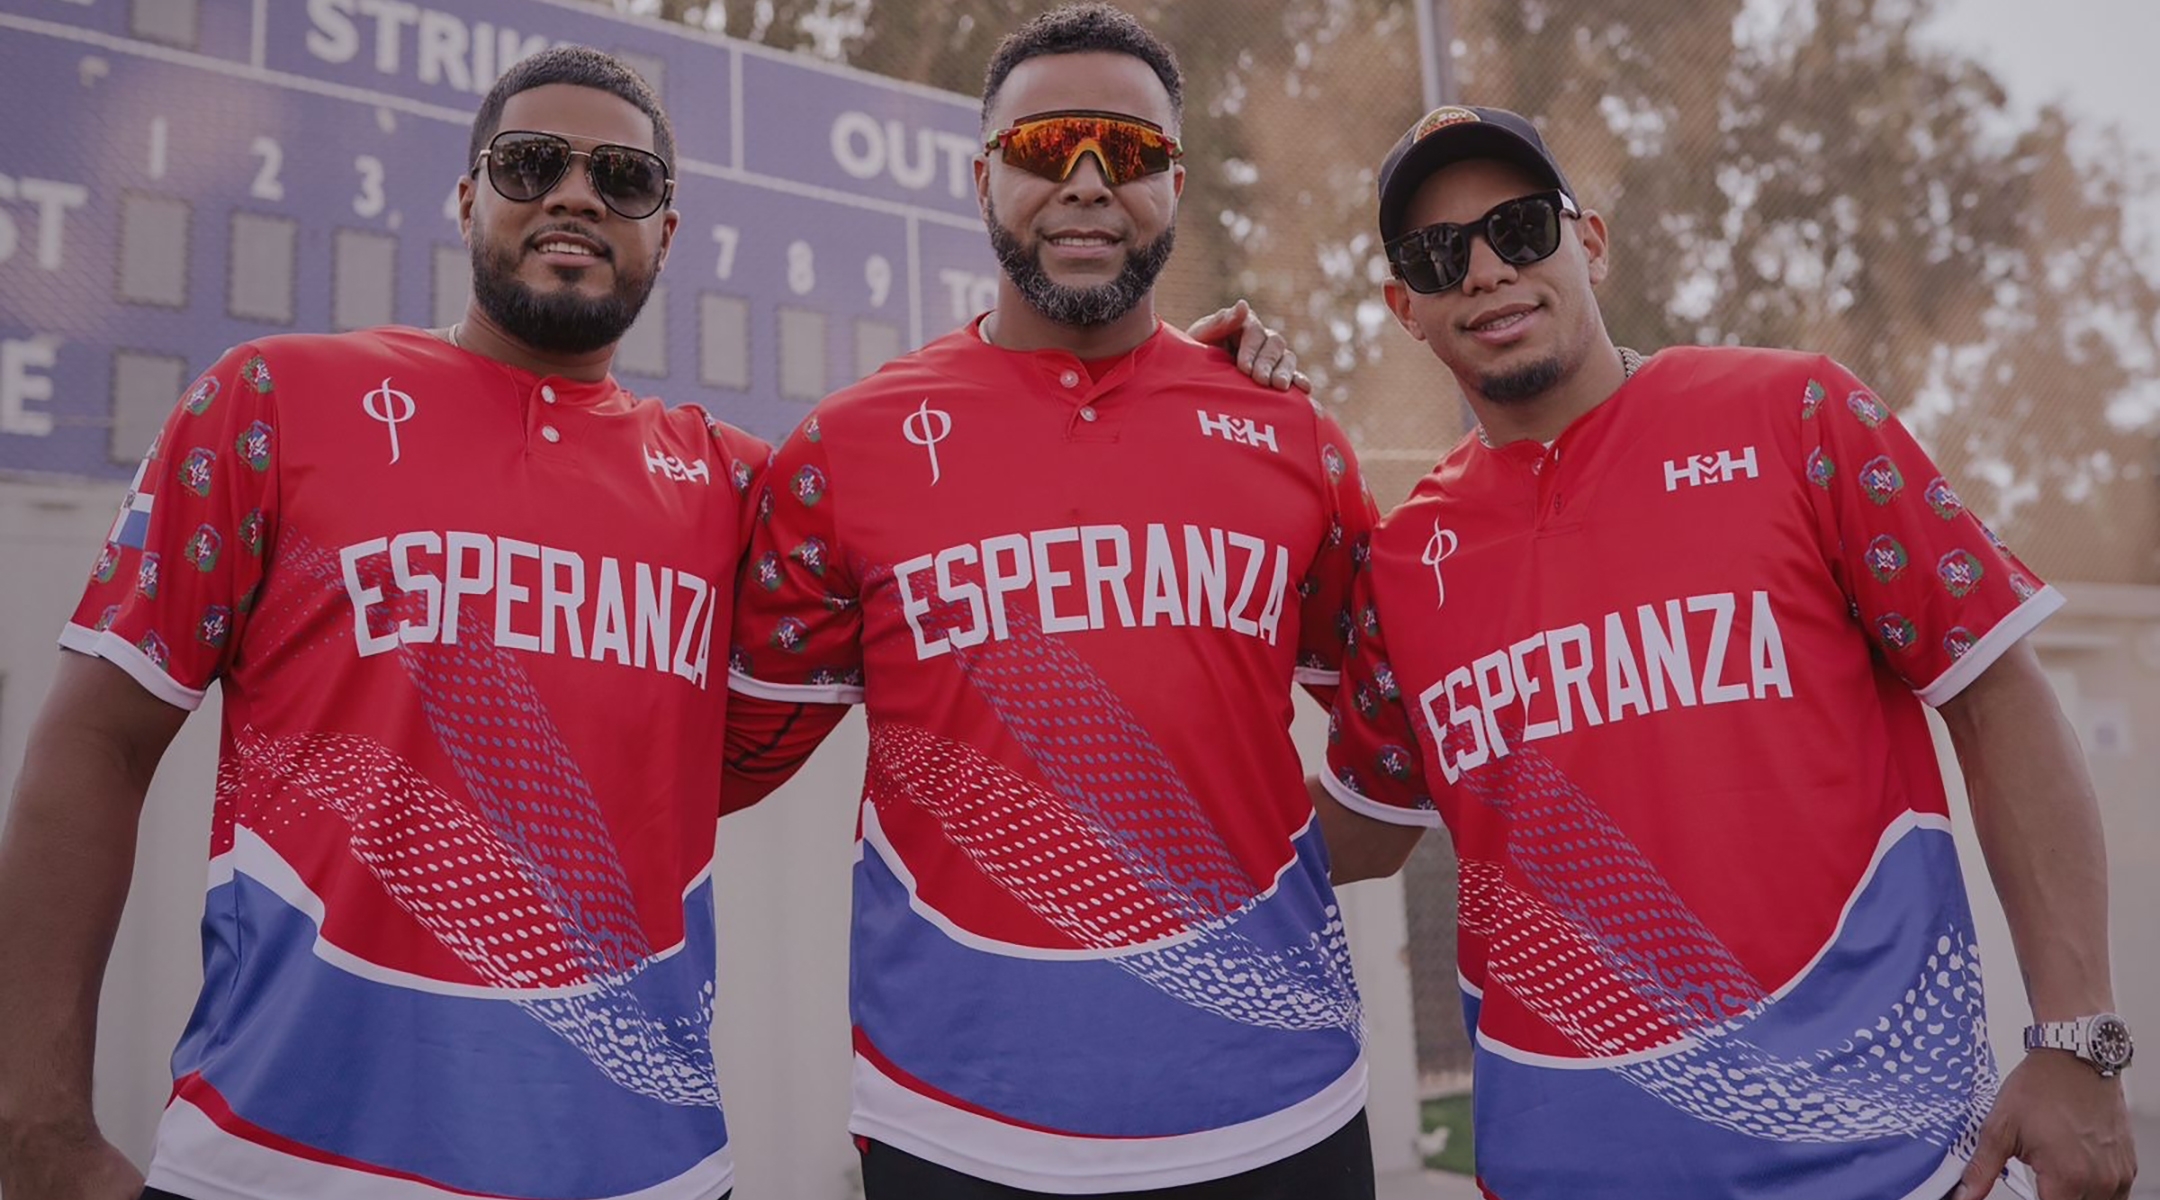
1078 29
578 66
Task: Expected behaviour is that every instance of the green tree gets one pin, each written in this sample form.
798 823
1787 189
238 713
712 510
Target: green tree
1830 180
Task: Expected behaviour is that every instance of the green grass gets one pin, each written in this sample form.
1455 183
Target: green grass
1453 1112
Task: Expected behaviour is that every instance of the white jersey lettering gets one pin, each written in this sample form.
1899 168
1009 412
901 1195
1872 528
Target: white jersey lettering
1086 577
538 600
1550 683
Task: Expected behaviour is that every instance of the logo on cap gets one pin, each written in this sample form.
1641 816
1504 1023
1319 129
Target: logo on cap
1441 118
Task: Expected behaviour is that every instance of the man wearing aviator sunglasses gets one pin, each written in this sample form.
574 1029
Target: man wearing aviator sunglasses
1655 642
577 269
458 936
524 166
1074 565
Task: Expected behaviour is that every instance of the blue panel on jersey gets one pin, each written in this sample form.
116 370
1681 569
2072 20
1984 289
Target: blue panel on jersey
1102 1047
1857 1082
471 1093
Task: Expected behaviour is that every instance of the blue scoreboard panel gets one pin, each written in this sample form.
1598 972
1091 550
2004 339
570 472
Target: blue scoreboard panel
177 176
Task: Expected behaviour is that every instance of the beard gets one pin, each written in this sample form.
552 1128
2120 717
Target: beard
1085 307
1524 383
558 322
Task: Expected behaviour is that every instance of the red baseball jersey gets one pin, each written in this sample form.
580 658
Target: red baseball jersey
458 937
1094 943
1663 681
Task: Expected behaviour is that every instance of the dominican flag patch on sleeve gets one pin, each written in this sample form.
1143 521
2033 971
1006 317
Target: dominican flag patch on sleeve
131 528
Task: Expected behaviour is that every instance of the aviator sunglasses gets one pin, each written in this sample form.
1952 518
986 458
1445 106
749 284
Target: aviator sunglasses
524 166
1521 231
1051 144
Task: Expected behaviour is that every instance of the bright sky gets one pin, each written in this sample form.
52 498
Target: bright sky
2093 55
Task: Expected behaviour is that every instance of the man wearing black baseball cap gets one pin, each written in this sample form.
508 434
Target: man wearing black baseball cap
1654 643
1511 342
1451 134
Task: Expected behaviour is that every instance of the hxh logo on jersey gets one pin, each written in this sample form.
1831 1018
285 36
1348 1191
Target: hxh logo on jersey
667 466
1245 431
390 406
1722 467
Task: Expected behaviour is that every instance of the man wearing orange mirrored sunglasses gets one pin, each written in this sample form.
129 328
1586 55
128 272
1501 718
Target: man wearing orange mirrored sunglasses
1072 563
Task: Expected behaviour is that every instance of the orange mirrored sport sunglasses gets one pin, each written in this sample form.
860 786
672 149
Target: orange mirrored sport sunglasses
1051 145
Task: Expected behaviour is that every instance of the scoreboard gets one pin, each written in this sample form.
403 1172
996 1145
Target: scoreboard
183 175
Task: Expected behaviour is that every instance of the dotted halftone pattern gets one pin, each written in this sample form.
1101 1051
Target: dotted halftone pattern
1115 851
1596 943
518 878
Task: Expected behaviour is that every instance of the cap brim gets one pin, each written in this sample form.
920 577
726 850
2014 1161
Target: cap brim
1453 144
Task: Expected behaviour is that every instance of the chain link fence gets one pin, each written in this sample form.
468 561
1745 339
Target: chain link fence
1813 173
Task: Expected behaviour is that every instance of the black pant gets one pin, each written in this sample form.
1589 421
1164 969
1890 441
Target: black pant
1338 1168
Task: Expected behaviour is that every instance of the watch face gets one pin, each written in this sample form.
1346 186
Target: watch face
2109 1043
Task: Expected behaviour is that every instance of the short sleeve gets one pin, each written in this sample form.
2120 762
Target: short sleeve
169 598
1324 621
1374 764
1935 589
798 608
749 459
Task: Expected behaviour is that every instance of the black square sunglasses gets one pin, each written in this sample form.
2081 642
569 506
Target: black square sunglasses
1434 258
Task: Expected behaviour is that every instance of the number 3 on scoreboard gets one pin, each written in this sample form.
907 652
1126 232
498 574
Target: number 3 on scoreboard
370 200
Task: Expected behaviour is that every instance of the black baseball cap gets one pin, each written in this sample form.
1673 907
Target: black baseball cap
1453 134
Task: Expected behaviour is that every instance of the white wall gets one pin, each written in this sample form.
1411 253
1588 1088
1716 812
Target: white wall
49 537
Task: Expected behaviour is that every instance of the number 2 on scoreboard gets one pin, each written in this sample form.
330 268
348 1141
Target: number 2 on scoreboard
267 186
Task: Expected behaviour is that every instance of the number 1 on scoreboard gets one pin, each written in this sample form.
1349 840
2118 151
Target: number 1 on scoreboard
728 237
158 135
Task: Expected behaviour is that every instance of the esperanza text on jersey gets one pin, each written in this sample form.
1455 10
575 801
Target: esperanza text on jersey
530 597
1081 577
1596 674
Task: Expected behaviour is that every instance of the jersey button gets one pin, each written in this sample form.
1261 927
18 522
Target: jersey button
550 433
547 393
1069 378
1087 412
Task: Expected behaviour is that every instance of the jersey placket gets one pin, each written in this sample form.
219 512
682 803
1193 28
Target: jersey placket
552 410
1535 469
1089 418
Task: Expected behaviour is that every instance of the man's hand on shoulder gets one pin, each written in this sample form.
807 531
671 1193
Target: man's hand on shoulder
2059 1117
1261 352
